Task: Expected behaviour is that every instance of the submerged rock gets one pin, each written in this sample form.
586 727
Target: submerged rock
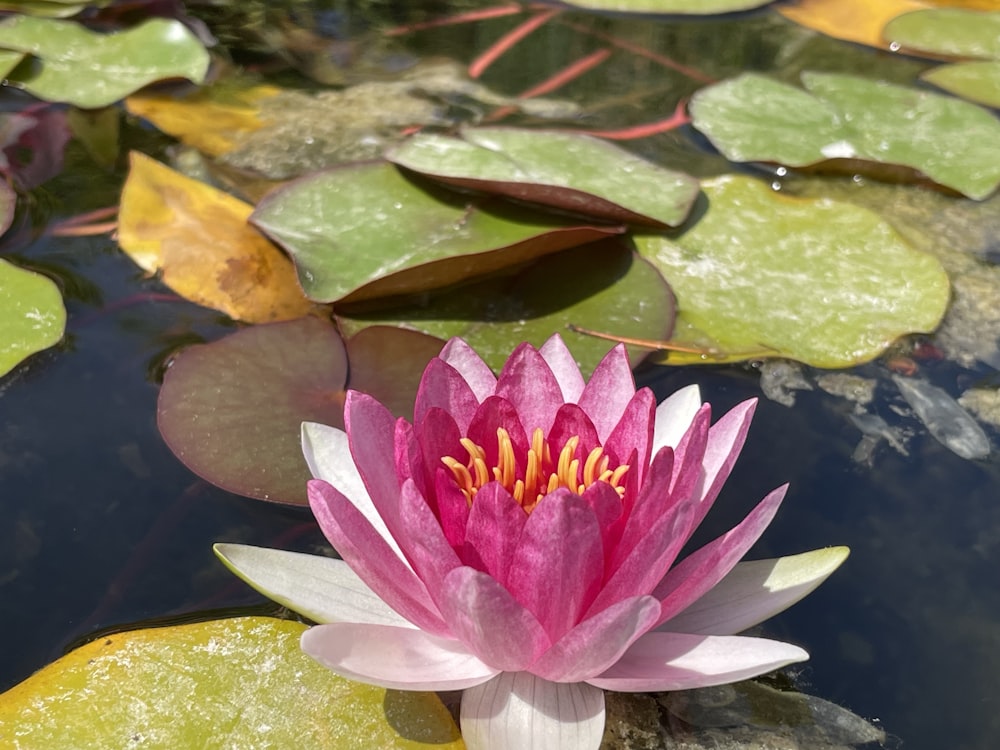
780 378
948 422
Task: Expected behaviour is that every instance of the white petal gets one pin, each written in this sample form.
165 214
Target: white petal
398 658
519 711
321 588
328 455
754 591
674 415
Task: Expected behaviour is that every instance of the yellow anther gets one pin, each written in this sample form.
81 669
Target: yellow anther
593 458
474 450
616 477
565 456
482 473
518 492
507 464
462 476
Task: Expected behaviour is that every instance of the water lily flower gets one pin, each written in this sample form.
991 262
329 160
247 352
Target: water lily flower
519 541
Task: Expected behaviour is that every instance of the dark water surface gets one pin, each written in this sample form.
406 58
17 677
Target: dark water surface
103 526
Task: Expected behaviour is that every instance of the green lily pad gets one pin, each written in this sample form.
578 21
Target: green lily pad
231 410
826 283
366 231
954 32
8 61
976 81
115 64
241 682
32 316
869 126
567 171
603 286
686 7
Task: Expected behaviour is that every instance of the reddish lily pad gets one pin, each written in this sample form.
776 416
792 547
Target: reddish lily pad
231 410
567 171
603 286
367 231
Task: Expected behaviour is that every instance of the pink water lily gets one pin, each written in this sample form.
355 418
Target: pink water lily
519 541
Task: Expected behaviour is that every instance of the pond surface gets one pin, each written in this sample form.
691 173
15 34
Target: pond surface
104 527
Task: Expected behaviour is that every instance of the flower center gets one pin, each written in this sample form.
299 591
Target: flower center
538 474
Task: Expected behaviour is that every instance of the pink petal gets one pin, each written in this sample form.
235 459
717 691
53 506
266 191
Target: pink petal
471 367
653 502
701 570
559 561
527 382
674 415
371 429
608 391
725 441
423 542
634 432
439 437
572 421
563 365
452 508
518 711
598 642
409 460
607 506
674 661
443 386
493 530
364 549
493 413
396 658
489 621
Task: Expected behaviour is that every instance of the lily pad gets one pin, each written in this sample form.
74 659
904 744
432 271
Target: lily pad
686 7
976 81
231 410
858 21
48 8
115 64
567 171
826 283
366 231
953 32
869 125
32 316
602 286
241 682
198 239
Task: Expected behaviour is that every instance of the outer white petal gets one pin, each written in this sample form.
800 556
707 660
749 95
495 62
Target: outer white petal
674 415
328 455
754 591
519 711
321 588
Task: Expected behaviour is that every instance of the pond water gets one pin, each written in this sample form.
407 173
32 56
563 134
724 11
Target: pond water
104 527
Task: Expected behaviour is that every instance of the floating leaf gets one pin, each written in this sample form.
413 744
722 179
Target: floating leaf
388 362
113 65
49 8
858 21
692 7
198 238
241 682
365 231
212 119
8 205
567 171
953 32
756 118
826 283
976 81
231 410
32 316
602 286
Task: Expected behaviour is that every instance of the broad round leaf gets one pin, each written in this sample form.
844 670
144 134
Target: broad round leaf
756 118
366 231
954 32
32 316
242 682
975 81
603 286
198 239
232 410
830 284
568 171
113 65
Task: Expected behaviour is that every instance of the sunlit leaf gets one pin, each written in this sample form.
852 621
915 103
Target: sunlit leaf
46 8
231 410
81 67
601 286
32 316
693 7
859 21
566 171
366 231
975 81
953 32
211 119
198 239
827 283
8 61
241 682
864 123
